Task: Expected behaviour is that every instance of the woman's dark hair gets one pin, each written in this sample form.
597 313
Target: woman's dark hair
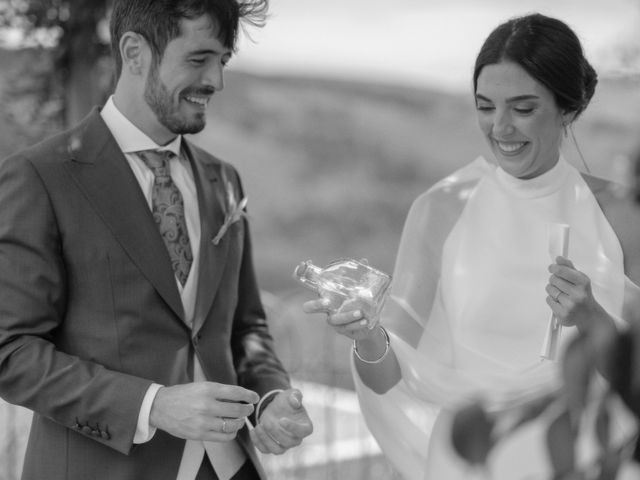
158 21
549 51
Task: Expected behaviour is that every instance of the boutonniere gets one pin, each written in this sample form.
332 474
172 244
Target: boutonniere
234 211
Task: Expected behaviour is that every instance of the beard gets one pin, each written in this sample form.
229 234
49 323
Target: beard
168 114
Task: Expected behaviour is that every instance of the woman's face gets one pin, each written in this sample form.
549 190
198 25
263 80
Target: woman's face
520 120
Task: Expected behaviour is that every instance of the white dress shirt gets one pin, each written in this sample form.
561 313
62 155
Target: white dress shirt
226 457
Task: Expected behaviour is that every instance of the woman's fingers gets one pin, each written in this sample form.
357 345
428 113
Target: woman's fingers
567 272
345 318
562 285
319 305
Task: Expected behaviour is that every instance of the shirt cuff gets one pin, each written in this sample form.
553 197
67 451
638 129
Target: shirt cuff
144 431
266 400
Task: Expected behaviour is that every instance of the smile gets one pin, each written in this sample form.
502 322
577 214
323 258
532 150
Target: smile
510 148
202 101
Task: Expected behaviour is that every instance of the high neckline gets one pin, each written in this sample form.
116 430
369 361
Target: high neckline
540 186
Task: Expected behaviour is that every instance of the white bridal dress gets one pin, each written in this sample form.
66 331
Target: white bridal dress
467 313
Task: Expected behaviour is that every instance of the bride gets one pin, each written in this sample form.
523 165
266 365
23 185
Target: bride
468 311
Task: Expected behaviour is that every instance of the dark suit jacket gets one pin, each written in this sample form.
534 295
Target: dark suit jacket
90 314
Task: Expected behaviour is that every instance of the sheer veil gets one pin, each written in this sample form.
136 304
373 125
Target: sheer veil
467 311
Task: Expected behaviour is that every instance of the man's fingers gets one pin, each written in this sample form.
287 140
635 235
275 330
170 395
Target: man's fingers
270 445
257 442
233 393
227 425
281 437
226 409
297 430
295 399
212 436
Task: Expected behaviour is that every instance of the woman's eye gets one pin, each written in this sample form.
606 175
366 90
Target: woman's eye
484 108
197 61
524 110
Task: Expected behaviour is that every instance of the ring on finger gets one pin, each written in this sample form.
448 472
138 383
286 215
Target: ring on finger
557 295
224 425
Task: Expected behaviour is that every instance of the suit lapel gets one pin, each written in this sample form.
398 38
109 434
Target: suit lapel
211 197
103 174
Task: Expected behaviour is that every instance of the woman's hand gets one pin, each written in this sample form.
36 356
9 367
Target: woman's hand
375 361
348 321
570 297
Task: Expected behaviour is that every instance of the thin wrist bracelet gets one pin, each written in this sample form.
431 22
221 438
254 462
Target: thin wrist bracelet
386 348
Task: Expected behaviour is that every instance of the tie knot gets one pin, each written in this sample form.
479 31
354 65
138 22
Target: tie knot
157 161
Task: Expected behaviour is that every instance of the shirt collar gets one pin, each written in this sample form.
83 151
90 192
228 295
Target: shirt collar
130 138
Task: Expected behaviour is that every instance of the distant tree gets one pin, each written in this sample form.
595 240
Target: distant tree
76 35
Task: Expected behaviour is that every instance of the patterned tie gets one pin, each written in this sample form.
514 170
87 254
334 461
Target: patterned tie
168 212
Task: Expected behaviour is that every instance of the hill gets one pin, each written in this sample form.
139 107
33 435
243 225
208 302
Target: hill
331 167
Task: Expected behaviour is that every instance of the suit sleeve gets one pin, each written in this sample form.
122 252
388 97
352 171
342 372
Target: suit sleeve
255 360
34 372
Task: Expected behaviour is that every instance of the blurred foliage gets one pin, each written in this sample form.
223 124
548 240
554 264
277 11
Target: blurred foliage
586 403
50 21
60 89
30 100
599 396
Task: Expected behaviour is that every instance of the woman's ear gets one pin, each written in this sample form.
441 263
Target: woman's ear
568 118
134 51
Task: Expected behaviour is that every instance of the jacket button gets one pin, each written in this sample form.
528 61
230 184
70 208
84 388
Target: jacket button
95 433
87 430
105 435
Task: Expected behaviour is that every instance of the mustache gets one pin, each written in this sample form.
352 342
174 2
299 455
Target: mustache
199 91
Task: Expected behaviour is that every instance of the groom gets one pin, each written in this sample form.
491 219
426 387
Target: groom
130 318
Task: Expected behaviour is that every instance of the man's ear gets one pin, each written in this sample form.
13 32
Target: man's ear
135 53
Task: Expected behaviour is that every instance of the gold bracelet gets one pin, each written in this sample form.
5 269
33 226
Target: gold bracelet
386 348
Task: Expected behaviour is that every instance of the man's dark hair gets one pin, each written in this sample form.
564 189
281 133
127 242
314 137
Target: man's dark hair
158 21
548 50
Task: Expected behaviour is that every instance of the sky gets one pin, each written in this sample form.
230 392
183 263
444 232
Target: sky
419 42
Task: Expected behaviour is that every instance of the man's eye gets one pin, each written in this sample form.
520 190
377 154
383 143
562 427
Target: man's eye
197 61
484 108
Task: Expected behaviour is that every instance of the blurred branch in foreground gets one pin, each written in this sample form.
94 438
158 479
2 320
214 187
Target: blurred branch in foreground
599 400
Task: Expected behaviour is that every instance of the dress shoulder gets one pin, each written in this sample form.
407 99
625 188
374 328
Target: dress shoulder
453 190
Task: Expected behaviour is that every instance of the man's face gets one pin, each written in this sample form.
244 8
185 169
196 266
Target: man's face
179 88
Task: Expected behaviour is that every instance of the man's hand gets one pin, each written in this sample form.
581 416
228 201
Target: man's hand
283 424
202 411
